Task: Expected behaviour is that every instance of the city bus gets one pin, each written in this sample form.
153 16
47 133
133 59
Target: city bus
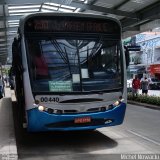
70 72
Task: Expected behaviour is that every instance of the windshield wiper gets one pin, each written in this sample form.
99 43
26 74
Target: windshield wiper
79 63
68 61
59 50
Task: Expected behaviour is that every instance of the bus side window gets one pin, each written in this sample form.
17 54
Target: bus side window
16 56
126 51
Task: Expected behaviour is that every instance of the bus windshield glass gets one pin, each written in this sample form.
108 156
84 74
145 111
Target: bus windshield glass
79 63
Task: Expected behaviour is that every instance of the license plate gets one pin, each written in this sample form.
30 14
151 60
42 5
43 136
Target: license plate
82 120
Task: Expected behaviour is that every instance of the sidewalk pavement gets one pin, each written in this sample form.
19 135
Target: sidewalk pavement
8 148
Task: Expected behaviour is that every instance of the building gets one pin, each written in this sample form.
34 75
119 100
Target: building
150 52
147 58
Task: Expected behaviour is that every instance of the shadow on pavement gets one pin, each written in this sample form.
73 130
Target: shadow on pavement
31 145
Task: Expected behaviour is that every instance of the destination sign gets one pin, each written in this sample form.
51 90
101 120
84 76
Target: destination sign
71 24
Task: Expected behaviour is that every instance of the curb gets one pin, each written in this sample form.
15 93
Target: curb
144 105
8 146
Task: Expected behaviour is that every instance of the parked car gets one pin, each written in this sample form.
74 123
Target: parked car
154 84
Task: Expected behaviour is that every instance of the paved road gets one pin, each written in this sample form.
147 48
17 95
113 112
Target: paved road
140 133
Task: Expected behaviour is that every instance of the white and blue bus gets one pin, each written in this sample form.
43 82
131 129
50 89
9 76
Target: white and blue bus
70 72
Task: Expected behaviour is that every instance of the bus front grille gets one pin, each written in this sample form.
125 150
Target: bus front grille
65 124
74 111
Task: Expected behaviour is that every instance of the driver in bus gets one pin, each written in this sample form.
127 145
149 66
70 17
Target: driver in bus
41 67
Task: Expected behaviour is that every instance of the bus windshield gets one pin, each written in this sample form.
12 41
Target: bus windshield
76 63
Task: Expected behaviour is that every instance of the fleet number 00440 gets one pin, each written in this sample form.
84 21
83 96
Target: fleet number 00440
49 99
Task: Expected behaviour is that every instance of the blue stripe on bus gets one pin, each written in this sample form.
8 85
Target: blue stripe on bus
38 120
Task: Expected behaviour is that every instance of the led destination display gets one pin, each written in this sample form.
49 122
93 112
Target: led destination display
71 24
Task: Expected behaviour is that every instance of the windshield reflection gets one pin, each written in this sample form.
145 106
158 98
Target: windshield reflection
74 65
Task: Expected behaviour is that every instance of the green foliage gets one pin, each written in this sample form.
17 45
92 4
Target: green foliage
145 99
4 71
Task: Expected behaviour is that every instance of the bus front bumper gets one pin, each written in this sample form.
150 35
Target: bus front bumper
42 121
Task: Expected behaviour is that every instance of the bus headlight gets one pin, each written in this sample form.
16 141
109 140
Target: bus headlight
121 99
116 103
41 108
107 107
36 102
45 109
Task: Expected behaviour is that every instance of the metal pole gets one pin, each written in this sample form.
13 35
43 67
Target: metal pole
1 71
3 92
1 77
